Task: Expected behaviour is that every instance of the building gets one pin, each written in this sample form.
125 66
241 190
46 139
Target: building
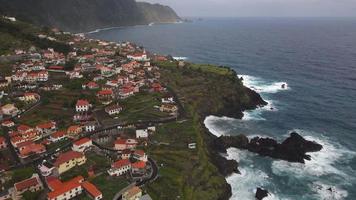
141 133
138 56
113 109
68 160
170 108
82 106
92 190
90 126
9 109
138 167
167 99
120 167
122 144
31 149
29 97
8 123
57 136
46 168
32 184
46 128
3 143
64 190
82 144
140 155
133 193
74 130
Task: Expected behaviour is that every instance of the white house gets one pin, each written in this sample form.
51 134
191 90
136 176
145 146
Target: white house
113 110
46 168
141 133
120 167
90 126
82 144
82 106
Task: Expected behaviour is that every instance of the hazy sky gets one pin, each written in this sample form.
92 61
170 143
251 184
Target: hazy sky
273 8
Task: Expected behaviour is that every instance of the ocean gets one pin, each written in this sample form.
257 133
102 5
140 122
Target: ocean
314 57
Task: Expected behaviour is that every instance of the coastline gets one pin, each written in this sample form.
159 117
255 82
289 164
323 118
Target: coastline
127 26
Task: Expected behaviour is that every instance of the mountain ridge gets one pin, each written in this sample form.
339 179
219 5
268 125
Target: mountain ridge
87 15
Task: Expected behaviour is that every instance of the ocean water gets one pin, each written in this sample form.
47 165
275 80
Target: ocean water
314 57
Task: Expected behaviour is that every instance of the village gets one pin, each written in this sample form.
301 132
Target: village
77 125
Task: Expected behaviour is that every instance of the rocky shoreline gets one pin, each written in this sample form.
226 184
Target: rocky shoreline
292 149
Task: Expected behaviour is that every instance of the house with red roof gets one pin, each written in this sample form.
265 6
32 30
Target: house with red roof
3 143
122 144
156 87
92 85
138 167
92 190
140 155
31 149
82 144
113 109
8 123
64 190
74 130
32 184
68 160
120 167
138 56
47 127
82 105
57 136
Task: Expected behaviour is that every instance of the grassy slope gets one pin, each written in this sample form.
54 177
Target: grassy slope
190 174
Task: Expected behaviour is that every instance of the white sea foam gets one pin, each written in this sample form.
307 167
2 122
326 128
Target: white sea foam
210 121
328 192
321 163
263 87
180 58
244 185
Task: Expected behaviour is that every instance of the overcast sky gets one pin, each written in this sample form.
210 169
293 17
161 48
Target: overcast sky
271 8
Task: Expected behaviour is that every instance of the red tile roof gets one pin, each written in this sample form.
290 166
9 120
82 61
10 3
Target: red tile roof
67 156
66 187
23 128
120 163
105 92
53 183
139 165
82 102
91 189
139 152
2 140
58 134
82 141
47 125
120 141
25 184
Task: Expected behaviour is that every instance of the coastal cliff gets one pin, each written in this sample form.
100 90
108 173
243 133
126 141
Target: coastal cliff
86 15
204 90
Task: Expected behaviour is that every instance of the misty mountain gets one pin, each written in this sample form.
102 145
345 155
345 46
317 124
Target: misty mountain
85 15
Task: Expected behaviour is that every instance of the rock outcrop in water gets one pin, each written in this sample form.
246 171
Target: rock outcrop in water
261 194
292 149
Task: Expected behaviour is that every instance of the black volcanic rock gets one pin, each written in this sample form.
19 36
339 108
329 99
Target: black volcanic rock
293 149
261 193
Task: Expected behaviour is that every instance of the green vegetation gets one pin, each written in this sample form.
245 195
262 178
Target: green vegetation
31 195
108 185
202 90
99 163
140 107
22 174
22 35
185 173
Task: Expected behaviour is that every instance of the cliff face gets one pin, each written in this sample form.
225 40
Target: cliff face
157 13
85 15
